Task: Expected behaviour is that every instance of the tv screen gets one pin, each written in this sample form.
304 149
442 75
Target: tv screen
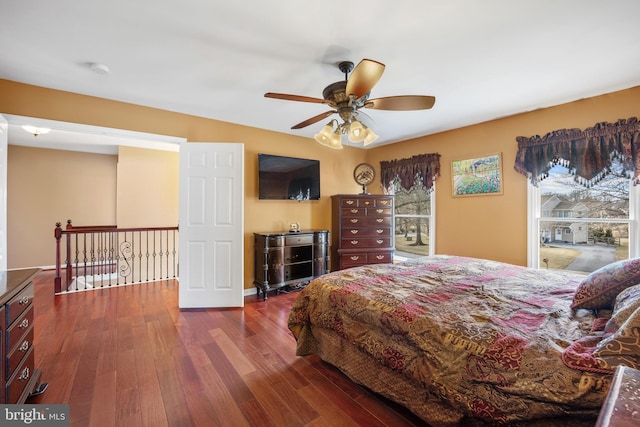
288 178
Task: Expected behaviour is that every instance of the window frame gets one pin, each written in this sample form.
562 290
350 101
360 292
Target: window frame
431 221
534 217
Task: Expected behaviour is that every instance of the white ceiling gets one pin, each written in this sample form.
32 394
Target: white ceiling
481 59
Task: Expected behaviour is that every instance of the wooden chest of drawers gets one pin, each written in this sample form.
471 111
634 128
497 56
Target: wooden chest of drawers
285 259
362 230
19 375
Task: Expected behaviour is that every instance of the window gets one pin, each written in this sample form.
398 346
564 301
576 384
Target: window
414 221
567 220
412 182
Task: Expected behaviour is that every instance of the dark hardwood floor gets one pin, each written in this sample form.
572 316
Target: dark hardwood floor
130 357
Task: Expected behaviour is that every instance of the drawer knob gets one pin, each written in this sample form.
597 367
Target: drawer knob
380 256
24 346
379 242
354 231
355 257
349 202
379 210
354 210
379 220
354 220
24 375
367 202
379 231
354 242
24 324
384 202
24 300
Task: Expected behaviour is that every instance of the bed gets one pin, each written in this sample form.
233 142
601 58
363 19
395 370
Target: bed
465 341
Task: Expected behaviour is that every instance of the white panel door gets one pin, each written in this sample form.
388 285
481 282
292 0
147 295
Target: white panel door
211 272
4 135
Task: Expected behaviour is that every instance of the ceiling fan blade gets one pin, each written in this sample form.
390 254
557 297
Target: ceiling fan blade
300 98
364 77
401 103
313 119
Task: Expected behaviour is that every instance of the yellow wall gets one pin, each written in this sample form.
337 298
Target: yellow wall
154 174
491 227
495 227
49 186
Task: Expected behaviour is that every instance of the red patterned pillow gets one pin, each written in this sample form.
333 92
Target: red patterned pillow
600 288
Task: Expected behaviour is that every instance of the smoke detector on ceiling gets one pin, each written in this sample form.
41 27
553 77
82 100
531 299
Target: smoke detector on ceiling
99 68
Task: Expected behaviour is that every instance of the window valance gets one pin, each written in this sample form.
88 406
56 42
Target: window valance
587 153
425 167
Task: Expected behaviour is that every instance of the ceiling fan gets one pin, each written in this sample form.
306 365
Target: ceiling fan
347 97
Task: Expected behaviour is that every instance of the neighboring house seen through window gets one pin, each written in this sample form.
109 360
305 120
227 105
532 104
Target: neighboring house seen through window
568 221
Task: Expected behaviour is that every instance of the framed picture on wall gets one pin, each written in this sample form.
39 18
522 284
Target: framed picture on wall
480 176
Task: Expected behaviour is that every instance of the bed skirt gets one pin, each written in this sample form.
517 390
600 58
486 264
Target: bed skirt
356 365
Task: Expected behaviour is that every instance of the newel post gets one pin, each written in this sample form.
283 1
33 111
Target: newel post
58 280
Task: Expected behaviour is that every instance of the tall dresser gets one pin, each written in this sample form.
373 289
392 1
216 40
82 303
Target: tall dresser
362 229
20 377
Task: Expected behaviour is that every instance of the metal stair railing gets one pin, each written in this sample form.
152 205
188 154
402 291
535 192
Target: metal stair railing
102 256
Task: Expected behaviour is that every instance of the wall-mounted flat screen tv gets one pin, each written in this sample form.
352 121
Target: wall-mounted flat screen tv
288 178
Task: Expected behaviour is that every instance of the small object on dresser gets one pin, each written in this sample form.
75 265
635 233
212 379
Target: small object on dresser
364 174
294 227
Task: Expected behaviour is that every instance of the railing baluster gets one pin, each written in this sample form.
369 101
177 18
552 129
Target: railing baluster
166 254
147 254
175 260
161 254
140 256
154 256
69 273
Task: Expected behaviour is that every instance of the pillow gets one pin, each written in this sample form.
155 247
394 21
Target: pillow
621 347
600 288
618 345
627 302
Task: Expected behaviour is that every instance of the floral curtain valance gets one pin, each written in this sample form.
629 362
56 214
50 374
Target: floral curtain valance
424 166
588 153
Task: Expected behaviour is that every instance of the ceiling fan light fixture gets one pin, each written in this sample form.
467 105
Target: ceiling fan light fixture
322 139
370 137
357 132
336 141
325 134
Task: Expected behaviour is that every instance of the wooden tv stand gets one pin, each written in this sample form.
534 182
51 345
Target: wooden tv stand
289 259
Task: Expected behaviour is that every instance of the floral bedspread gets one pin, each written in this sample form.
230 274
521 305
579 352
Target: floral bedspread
484 336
